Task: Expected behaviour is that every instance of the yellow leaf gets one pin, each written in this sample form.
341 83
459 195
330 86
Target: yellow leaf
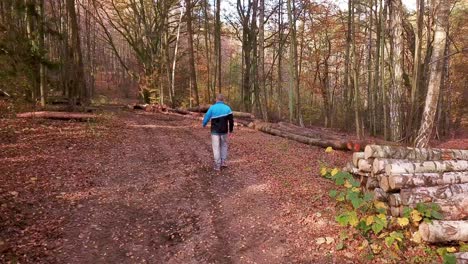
376 248
379 205
416 216
364 244
329 149
347 184
334 172
451 249
403 221
369 220
416 237
355 189
353 220
382 216
383 234
323 171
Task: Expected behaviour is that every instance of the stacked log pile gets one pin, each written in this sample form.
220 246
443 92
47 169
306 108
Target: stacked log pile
403 177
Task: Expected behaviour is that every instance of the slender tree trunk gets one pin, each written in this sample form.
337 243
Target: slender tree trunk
435 75
294 103
261 59
42 82
174 60
193 72
416 66
396 93
207 48
218 44
79 85
357 117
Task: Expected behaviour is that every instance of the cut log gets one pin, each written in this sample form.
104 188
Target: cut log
58 115
396 211
444 231
456 209
323 133
406 181
372 183
394 200
349 167
378 166
244 115
356 157
461 257
380 195
421 154
267 128
427 166
430 194
365 165
383 182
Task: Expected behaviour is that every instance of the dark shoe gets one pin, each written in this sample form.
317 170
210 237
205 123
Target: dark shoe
224 166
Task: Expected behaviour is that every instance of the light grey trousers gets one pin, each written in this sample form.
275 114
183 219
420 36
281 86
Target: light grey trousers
220 149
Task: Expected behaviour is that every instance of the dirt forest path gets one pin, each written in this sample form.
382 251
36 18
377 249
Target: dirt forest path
149 195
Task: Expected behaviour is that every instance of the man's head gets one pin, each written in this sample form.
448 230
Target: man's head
220 98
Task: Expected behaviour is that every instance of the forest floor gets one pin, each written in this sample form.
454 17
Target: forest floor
139 188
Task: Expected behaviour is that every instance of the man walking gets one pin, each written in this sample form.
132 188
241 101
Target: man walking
222 124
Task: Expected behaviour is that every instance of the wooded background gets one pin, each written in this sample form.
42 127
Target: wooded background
373 67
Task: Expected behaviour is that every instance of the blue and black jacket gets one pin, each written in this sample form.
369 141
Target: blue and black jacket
221 116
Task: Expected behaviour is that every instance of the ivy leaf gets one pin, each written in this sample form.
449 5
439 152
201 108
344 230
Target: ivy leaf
354 183
333 193
368 197
323 171
407 212
389 241
463 247
357 202
342 219
347 184
377 227
380 205
370 220
451 249
402 221
436 215
334 172
416 216
450 259
353 219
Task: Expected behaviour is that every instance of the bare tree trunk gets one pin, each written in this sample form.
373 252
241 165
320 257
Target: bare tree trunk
294 103
357 118
174 60
396 93
218 44
78 89
42 76
435 76
261 59
416 66
193 72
